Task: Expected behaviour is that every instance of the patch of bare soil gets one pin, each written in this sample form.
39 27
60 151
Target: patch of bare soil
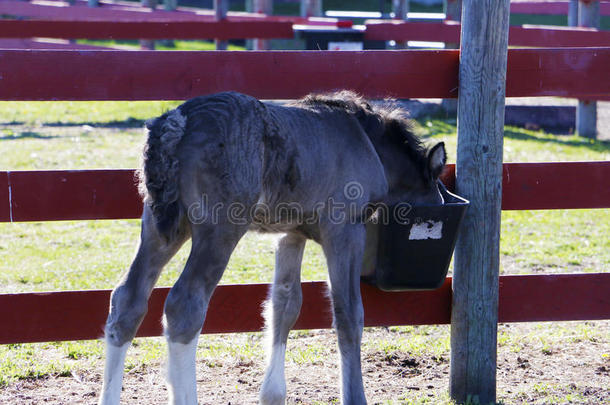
574 369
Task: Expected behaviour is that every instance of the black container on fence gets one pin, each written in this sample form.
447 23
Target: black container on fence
411 248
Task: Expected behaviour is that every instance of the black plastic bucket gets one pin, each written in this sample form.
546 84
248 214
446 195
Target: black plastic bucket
412 251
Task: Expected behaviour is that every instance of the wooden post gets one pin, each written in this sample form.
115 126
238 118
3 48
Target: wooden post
170 5
263 7
573 13
311 8
453 12
249 9
401 10
221 7
474 313
148 43
586 113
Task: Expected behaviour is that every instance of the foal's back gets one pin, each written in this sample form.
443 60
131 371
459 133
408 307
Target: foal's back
237 149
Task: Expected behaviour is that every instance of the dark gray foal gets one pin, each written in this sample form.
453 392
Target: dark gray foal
219 165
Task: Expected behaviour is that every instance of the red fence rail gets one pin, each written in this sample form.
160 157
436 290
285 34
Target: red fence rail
234 27
223 29
549 7
448 31
118 75
132 12
39 317
112 194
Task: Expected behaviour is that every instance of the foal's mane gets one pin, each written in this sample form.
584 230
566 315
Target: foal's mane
380 119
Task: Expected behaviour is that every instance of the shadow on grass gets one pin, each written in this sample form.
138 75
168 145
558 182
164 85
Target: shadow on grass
128 123
27 135
594 145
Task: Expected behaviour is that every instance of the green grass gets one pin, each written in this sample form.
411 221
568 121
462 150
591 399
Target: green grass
92 254
107 113
522 145
176 45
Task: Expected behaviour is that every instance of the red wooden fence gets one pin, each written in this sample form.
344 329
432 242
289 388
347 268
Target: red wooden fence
118 75
112 75
234 28
224 29
449 31
112 194
549 7
72 315
132 12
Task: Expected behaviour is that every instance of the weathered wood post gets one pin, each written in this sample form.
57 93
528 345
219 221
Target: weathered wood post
474 314
573 13
311 8
262 7
453 12
586 113
148 43
401 11
170 5
221 7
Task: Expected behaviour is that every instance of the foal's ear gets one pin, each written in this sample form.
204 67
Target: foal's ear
437 157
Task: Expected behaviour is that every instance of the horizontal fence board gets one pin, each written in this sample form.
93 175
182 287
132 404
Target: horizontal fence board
73 315
549 36
112 194
133 12
554 297
562 185
567 72
527 35
549 7
224 29
80 11
445 31
74 195
178 75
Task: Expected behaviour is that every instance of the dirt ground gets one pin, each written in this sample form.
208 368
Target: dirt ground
572 370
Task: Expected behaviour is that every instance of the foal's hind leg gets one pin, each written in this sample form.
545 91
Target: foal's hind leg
281 314
129 302
343 246
187 304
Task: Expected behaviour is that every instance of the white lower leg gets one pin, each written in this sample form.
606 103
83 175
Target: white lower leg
273 391
113 374
181 373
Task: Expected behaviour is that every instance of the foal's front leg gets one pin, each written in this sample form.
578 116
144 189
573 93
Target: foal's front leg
129 302
281 314
344 246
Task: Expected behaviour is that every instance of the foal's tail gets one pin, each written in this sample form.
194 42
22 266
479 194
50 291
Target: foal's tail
160 167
